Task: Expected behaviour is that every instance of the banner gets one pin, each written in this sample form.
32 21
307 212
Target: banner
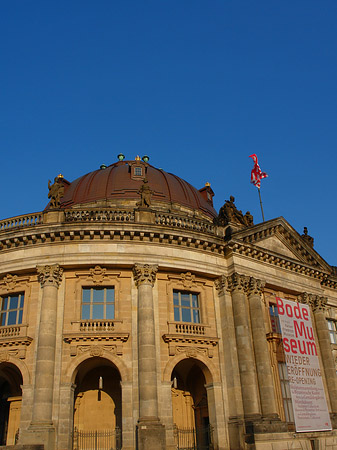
304 373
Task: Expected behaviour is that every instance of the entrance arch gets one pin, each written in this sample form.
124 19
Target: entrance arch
190 404
10 403
97 404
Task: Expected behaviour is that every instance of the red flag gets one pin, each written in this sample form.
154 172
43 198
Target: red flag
257 174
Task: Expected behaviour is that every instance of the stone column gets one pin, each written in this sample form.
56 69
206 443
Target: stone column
237 284
151 434
318 306
41 429
49 278
232 373
262 358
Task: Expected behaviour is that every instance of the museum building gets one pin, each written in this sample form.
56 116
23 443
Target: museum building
134 316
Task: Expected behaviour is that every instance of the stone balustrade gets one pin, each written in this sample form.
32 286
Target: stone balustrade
26 220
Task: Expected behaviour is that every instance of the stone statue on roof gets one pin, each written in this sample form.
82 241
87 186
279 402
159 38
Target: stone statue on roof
145 195
56 191
230 214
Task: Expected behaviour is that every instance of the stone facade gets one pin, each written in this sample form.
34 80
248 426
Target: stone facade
151 321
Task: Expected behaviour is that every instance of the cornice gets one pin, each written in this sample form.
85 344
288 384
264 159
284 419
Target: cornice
278 260
188 339
81 337
128 232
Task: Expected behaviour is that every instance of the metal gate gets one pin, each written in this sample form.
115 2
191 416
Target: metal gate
194 438
97 440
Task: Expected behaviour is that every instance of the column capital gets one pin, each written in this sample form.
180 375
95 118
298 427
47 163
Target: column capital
49 275
255 286
145 274
221 284
237 282
316 302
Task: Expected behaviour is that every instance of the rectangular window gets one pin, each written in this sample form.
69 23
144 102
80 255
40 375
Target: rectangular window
11 309
285 389
138 172
186 307
274 318
98 303
332 325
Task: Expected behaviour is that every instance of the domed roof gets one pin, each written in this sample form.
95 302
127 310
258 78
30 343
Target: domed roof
122 180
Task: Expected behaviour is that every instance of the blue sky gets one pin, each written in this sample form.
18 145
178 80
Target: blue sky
196 85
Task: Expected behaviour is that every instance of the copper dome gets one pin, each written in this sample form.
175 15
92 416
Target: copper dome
122 180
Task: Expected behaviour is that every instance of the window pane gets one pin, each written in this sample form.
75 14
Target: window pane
110 295
110 312
98 312
11 318
196 317
195 301
176 314
175 298
98 295
86 312
86 295
186 315
4 304
3 319
21 301
20 316
14 301
185 300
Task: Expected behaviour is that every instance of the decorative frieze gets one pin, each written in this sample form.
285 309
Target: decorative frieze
190 344
96 350
49 275
145 274
19 353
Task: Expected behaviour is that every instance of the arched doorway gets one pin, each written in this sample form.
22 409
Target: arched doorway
97 406
10 403
190 406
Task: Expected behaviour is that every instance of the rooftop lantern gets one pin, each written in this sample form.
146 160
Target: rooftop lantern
121 157
145 158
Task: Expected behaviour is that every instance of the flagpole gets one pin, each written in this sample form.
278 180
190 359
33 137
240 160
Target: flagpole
261 204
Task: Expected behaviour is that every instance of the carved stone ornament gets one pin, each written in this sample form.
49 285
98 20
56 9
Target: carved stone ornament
145 274
56 191
255 286
4 356
237 282
316 302
97 274
145 195
95 350
49 275
221 284
187 279
10 281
